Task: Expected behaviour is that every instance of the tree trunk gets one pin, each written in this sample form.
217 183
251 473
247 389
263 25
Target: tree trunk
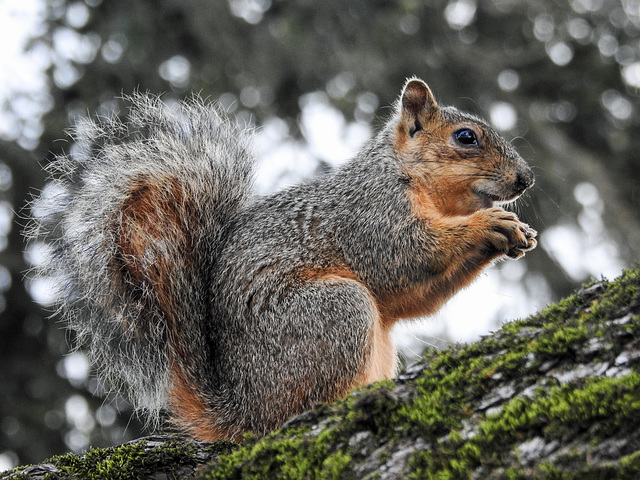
554 396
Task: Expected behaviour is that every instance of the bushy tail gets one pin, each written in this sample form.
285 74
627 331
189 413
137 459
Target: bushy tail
135 217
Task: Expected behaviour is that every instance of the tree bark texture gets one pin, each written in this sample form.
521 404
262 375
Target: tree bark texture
556 395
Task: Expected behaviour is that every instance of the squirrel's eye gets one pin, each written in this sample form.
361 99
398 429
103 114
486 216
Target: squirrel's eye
466 137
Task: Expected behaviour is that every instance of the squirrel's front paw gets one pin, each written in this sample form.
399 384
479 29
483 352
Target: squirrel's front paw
508 235
529 242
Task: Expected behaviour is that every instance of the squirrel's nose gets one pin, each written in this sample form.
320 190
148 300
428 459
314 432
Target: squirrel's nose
525 179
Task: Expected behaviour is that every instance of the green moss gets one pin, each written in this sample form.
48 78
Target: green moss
561 311
136 460
627 468
559 340
630 465
564 410
334 466
298 454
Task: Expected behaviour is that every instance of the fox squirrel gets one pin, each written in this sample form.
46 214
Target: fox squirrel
235 312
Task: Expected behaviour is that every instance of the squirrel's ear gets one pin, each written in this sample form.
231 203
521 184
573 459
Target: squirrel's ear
416 102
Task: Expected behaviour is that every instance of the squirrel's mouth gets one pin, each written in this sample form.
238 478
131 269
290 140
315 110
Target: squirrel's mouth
488 200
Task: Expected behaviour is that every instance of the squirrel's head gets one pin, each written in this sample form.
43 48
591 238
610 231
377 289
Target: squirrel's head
454 158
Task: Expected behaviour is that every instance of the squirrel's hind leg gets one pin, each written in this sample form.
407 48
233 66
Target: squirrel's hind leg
325 338
377 355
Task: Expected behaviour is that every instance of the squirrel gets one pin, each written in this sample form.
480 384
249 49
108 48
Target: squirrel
234 312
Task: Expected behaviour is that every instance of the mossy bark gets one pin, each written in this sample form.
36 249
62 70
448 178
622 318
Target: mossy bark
554 396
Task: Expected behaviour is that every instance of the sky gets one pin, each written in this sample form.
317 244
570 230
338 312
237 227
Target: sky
23 83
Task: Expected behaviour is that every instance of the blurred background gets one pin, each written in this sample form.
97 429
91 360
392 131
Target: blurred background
558 79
